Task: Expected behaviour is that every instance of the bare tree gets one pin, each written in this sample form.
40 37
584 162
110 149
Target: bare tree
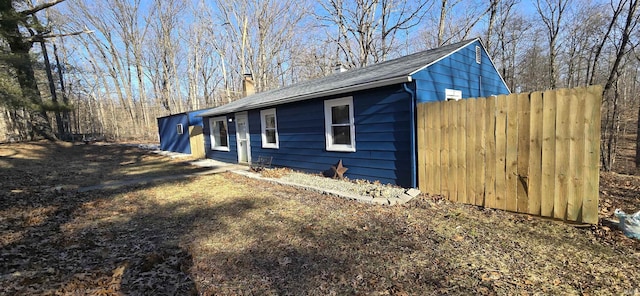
256 43
366 31
623 46
166 52
505 43
551 13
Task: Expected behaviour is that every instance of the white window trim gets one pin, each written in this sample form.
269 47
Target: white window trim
263 125
180 129
478 55
211 131
328 104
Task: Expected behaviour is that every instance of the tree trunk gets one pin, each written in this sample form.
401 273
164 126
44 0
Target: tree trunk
65 98
443 16
21 62
52 88
638 140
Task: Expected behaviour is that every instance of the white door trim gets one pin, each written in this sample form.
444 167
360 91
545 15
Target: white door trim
238 117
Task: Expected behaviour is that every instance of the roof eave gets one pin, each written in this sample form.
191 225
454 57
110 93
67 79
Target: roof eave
342 90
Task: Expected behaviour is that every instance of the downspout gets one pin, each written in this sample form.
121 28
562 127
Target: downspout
414 177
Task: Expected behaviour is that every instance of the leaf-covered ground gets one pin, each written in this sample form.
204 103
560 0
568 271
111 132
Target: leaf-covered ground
230 235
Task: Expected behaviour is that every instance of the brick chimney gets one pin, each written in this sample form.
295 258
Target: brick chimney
247 85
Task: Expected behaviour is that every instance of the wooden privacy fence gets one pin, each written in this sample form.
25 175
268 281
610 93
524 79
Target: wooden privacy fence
534 153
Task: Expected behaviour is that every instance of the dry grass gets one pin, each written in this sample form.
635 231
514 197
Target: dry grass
229 235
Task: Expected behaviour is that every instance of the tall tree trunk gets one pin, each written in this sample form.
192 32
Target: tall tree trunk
21 62
443 16
65 98
638 140
52 87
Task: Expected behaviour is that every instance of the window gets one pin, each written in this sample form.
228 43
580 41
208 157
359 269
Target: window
219 135
179 129
478 55
339 125
269 128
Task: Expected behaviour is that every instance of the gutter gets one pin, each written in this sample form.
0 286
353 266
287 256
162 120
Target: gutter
414 171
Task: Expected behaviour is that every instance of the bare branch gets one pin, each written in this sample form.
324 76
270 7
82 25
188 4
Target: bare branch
42 37
40 7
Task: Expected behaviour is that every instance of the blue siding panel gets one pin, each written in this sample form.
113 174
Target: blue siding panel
170 140
459 71
382 137
194 119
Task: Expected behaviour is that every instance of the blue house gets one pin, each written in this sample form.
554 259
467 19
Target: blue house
174 131
365 117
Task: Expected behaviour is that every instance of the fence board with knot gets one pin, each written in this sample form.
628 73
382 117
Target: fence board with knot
535 153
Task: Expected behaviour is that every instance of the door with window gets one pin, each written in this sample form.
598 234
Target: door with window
242 136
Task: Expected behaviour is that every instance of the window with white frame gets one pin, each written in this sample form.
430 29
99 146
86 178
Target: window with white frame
219 134
179 129
269 124
339 125
478 55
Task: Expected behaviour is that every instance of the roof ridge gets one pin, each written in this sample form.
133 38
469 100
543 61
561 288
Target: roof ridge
375 75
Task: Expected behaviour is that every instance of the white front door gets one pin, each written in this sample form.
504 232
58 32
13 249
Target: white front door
242 136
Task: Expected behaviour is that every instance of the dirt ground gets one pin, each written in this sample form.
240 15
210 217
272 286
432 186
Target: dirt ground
226 234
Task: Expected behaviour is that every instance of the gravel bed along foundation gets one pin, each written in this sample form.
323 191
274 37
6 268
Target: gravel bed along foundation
359 187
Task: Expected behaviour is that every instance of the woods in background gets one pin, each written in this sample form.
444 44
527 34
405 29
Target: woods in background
122 63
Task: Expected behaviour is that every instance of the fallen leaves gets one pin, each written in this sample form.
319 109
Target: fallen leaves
226 234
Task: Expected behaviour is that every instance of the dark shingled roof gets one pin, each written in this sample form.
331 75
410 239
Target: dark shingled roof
382 74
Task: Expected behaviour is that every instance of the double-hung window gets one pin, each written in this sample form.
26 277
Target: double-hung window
339 125
219 134
269 124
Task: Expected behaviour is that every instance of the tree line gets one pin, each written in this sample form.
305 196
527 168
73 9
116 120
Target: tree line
111 67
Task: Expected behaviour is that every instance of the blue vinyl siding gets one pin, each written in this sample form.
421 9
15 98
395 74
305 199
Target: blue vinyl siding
194 119
382 137
461 72
170 140
168 132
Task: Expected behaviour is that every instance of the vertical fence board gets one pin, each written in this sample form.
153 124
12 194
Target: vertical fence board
429 169
453 151
471 155
480 154
462 152
535 154
524 119
451 139
576 151
511 156
592 150
562 154
437 162
501 152
548 153
424 149
445 137
490 144
434 168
